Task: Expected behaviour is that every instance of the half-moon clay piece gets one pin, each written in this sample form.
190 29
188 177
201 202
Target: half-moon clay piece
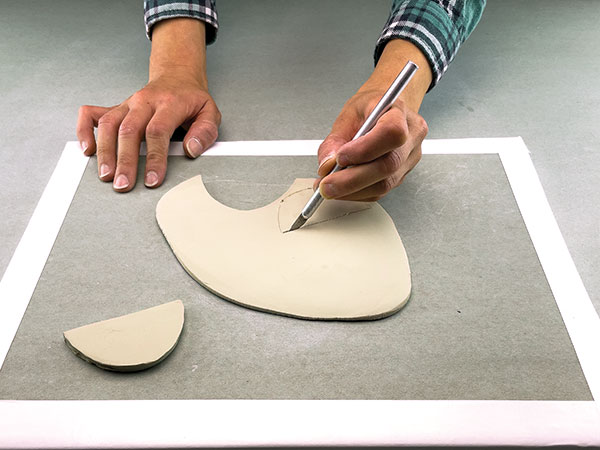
346 263
132 342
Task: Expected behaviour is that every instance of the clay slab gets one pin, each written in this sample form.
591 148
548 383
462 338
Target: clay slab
346 263
132 342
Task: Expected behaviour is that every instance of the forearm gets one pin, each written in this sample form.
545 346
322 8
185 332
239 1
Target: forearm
179 45
395 55
437 28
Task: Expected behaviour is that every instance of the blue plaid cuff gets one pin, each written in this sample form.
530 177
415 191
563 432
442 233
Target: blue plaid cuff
436 27
205 10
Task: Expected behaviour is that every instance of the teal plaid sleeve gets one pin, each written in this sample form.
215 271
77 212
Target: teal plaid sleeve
205 10
437 27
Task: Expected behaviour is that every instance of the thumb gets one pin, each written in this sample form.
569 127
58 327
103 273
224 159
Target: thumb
203 131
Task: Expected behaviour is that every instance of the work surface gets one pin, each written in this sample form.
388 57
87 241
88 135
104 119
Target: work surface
481 324
502 342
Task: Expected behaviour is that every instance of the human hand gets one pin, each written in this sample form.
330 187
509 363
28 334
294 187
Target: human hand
383 157
153 113
176 94
379 160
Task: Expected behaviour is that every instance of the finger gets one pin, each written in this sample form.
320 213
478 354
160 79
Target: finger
86 121
355 178
203 131
327 151
108 130
418 127
390 132
131 133
392 165
158 134
378 190
345 126
316 183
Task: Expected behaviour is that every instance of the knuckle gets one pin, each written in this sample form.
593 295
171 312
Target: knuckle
155 158
400 105
326 146
388 184
380 188
167 99
108 120
128 129
330 145
392 162
423 127
157 131
139 98
210 130
400 133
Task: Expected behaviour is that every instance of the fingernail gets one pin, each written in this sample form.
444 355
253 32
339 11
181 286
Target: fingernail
104 170
327 190
194 147
83 146
320 169
121 182
327 158
151 179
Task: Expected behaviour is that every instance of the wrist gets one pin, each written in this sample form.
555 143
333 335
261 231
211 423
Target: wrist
179 49
395 55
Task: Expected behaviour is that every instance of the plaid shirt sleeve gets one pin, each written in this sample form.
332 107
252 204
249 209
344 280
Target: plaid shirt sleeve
437 27
205 10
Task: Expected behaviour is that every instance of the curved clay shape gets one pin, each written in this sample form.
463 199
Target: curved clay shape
132 342
346 263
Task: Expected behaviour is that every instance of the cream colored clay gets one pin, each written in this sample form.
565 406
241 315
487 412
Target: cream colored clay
347 262
132 342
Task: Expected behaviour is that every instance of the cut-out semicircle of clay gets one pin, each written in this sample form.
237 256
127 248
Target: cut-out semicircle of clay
131 342
346 263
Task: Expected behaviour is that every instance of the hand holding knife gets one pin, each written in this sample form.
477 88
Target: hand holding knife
386 102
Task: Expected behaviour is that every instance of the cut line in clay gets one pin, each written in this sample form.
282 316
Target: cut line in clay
291 204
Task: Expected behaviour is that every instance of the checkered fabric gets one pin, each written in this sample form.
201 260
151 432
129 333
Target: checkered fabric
437 27
205 10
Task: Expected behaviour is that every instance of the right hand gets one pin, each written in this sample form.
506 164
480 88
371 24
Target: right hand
377 162
172 99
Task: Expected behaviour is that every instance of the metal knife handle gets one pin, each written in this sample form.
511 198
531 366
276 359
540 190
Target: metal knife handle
386 102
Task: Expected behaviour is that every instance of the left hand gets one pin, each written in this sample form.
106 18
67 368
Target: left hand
380 159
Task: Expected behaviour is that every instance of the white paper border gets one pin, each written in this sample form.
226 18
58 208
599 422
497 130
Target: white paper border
28 260
257 423
207 423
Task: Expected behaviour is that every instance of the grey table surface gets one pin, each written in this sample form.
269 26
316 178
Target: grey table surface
283 71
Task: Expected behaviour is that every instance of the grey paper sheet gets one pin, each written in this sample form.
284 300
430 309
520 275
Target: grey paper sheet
481 323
